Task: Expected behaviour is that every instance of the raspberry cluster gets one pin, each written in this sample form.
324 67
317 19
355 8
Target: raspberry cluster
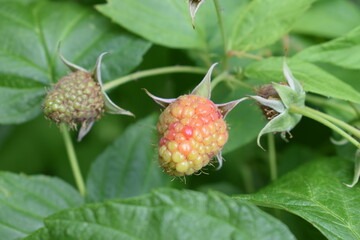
75 99
192 131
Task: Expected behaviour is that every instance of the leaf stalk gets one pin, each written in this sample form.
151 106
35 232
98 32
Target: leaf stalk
73 159
327 121
152 72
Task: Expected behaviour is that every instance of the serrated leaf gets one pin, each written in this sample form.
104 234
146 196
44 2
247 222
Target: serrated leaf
315 192
163 22
129 166
329 18
312 78
28 54
166 214
264 22
343 51
168 22
26 200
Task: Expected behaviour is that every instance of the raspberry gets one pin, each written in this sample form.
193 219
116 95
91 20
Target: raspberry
192 131
78 98
75 99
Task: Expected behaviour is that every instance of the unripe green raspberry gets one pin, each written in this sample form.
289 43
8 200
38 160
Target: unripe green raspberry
192 131
75 99
79 98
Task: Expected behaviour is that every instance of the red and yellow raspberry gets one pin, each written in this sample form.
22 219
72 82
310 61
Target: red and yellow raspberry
192 131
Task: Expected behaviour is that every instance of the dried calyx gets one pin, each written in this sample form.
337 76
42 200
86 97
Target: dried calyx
275 100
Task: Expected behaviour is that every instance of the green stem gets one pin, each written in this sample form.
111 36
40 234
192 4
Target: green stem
353 106
218 79
340 123
272 156
247 177
73 160
320 101
222 29
153 72
310 114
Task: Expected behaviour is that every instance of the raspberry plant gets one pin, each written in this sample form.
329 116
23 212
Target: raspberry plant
296 61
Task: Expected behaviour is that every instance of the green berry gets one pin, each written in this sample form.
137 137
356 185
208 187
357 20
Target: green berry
75 99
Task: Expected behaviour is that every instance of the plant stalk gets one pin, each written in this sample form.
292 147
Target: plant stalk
272 156
320 101
73 160
340 123
221 26
310 114
218 79
153 72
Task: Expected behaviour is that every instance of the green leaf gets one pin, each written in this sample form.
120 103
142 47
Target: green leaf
28 56
264 22
329 18
312 77
343 51
26 200
166 214
129 166
168 22
165 22
316 193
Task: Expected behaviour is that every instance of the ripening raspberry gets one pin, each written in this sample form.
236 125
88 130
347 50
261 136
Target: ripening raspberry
78 98
192 130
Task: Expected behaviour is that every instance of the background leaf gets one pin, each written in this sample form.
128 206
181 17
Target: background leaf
264 22
26 200
312 77
343 51
329 18
168 22
164 22
28 56
166 214
316 193
129 166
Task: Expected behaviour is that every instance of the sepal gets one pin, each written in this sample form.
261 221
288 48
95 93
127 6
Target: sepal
193 7
204 87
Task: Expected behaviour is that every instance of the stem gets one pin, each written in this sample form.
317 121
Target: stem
310 114
232 78
73 160
340 123
320 101
221 25
357 112
247 178
272 156
244 54
152 72
218 79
